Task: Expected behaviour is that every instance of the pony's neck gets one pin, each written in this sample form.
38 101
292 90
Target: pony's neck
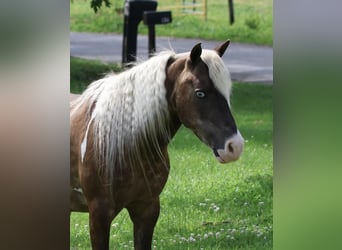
173 69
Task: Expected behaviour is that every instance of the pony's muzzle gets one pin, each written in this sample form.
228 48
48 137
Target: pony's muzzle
233 148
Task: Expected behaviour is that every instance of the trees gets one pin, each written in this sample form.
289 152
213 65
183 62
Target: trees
96 4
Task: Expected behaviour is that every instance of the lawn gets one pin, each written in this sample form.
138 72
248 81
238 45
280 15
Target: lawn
83 72
206 205
253 21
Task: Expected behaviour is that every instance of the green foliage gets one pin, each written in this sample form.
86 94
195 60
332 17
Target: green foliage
96 4
253 21
206 204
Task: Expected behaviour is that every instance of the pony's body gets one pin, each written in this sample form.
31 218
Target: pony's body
121 126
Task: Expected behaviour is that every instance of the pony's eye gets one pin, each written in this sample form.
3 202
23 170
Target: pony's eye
200 94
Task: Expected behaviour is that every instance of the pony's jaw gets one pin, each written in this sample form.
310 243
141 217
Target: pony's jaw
233 148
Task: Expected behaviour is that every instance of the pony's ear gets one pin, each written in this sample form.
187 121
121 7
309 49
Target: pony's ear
196 53
222 48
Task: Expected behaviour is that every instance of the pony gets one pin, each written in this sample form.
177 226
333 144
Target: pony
120 128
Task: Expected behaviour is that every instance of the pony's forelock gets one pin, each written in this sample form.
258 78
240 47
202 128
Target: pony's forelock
218 73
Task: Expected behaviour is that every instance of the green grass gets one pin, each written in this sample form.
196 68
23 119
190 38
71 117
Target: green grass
207 205
82 72
253 21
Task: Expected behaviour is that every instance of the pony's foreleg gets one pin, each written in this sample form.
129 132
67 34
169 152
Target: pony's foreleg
100 219
144 215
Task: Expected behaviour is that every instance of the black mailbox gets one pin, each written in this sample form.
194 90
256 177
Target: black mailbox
133 14
152 18
157 17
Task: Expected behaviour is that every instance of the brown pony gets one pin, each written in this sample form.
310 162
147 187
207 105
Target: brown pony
120 128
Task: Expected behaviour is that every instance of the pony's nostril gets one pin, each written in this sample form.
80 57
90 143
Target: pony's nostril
230 147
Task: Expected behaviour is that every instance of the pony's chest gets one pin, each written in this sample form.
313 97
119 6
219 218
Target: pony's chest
140 183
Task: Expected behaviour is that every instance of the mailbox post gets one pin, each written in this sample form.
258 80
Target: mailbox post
231 11
134 12
152 18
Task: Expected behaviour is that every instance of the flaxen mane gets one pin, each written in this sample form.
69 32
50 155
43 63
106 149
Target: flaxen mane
130 112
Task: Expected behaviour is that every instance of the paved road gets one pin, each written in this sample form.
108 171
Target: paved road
247 63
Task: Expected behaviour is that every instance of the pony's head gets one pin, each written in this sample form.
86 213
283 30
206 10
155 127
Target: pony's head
200 98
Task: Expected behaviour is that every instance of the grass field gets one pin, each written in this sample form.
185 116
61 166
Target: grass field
206 205
83 72
253 21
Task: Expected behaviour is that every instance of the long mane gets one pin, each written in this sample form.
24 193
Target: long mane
129 115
